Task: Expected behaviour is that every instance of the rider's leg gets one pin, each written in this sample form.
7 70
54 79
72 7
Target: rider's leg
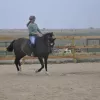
32 39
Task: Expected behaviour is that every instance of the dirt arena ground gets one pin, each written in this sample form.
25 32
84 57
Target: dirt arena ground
66 82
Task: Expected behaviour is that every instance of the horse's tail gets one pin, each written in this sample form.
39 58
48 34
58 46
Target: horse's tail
10 47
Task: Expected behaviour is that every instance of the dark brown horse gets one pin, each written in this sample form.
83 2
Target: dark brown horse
23 47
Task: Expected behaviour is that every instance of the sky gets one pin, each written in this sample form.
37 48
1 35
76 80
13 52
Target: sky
50 14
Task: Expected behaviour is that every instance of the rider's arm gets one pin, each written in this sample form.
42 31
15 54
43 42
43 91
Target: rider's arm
38 29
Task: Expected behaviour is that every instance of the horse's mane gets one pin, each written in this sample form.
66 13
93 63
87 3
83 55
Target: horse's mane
48 35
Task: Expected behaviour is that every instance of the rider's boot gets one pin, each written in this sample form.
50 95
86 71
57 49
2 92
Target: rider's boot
33 50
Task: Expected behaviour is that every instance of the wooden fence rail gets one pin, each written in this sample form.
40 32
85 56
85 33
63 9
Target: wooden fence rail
63 47
58 37
74 55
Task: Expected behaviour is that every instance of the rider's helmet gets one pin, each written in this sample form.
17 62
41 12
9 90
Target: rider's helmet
32 18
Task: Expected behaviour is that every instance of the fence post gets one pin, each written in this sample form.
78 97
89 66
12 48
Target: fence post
6 47
73 50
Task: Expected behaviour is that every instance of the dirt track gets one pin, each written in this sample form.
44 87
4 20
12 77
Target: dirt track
66 82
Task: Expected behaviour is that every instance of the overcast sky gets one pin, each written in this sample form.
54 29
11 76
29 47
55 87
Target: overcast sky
50 13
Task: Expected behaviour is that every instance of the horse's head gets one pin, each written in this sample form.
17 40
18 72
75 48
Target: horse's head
49 39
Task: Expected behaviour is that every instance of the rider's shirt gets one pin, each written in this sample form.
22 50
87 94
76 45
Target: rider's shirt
33 29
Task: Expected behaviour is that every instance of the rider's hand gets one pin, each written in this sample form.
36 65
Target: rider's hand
40 34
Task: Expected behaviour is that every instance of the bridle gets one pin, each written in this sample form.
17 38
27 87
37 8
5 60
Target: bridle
49 40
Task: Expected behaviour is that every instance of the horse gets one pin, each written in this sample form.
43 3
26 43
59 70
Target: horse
43 47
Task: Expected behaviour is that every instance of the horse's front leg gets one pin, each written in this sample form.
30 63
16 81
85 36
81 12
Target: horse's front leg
45 60
42 64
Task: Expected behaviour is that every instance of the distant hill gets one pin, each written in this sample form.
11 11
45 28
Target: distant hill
62 32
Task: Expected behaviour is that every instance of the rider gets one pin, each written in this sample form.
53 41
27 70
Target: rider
33 30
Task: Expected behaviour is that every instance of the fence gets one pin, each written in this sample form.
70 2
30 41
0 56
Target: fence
74 55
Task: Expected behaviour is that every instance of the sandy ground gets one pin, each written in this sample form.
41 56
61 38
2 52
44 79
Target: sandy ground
65 82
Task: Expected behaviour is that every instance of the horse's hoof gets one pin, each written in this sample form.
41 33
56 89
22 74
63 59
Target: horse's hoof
19 72
36 71
20 69
47 73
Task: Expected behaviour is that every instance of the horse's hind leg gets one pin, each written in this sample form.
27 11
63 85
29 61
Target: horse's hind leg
17 63
20 63
42 64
